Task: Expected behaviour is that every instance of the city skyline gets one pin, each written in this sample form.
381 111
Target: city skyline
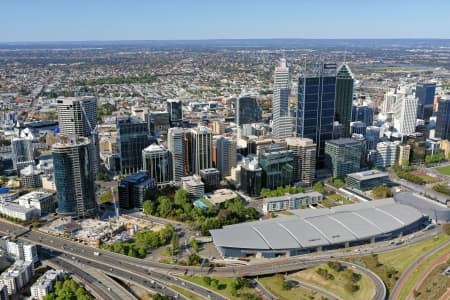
102 20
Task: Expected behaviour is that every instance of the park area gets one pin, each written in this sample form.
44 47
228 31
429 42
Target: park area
444 170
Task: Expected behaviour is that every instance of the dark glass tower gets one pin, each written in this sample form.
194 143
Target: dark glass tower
74 179
315 107
344 98
425 92
132 138
247 111
175 109
443 119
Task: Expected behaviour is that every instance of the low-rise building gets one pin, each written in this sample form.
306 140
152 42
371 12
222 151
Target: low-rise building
20 250
367 180
17 276
40 200
291 201
14 210
44 285
211 178
194 186
135 189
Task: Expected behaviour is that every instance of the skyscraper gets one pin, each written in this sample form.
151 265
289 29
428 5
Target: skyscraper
175 109
74 179
132 138
443 119
78 116
276 162
344 97
315 108
282 122
343 156
425 93
73 120
22 149
135 189
247 111
304 163
405 115
158 123
226 155
201 148
362 113
157 163
176 147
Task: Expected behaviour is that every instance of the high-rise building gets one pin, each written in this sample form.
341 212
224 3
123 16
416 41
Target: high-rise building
158 123
175 109
177 149
226 155
343 156
358 127
211 178
22 149
304 163
74 179
77 115
405 115
201 148
443 119
362 113
132 138
157 163
404 152
372 137
251 178
344 97
282 122
425 92
194 186
276 162
387 154
135 189
247 111
316 104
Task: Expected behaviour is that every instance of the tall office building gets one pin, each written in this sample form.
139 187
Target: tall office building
344 97
135 189
282 122
22 149
277 164
226 155
372 137
425 92
132 138
175 109
200 149
443 119
177 149
343 156
316 104
158 123
304 163
358 127
251 177
405 115
362 113
73 120
247 111
387 154
74 179
157 163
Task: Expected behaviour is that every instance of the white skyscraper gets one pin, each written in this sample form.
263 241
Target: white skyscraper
156 162
226 155
201 148
282 122
406 115
176 146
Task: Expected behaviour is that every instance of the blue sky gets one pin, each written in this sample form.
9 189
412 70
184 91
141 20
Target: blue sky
80 20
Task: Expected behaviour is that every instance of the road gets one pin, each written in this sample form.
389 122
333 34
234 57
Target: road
319 290
160 272
401 281
420 189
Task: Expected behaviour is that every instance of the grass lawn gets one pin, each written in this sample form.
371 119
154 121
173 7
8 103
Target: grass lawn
389 265
333 199
224 286
186 293
274 285
337 285
438 288
444 170
435 285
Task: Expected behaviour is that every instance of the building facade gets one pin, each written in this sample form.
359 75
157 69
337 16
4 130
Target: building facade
247 111
344 97
177 148
157 163
282 122
200 149
443 119
135 189
343 156
276 161
175 109
226 156
304 163
132 138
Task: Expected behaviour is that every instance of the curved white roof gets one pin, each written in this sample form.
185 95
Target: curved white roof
320 227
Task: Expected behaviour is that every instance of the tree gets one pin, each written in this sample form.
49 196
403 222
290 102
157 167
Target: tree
149 207
194 245
165 206
175 243
318 187
194 259
382 192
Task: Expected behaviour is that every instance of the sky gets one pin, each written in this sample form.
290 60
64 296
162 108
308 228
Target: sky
83 20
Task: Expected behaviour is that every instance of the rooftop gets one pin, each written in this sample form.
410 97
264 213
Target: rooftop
365 175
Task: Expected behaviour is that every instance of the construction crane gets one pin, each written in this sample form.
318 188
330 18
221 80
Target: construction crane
116 204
